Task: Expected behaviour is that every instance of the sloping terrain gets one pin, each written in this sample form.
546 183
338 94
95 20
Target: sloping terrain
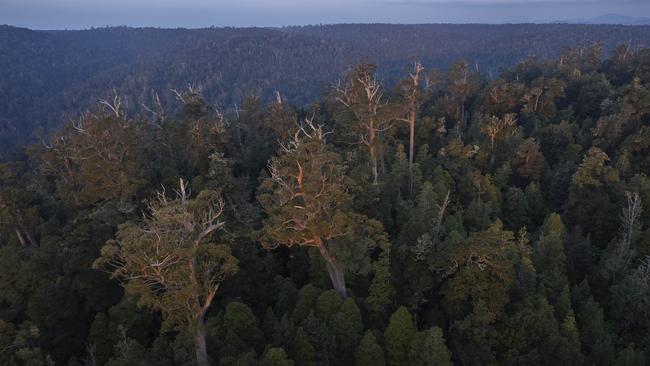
45 75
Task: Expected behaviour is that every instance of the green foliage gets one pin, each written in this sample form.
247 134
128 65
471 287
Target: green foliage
538 339
138 324
595 335
276 357
306 189
381 292
307 297
630 357
549 257
398 336
19 345
302 350
327 304
238 331
347 329
168 260
515 210
428 348
529 161
629 300
480 271
243 359
95 159
307 204
369 353
592 197
520 235
129 352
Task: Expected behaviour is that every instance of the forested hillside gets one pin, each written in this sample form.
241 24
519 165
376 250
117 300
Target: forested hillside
48 76
444 218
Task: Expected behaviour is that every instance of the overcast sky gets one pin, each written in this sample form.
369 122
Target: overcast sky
60 14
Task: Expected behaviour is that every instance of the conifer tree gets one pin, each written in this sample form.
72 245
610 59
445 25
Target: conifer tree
549 257
398 336
327 304
595 335
276 356
428 349
303 351
515 210
369 353
381 292
347 328
307 297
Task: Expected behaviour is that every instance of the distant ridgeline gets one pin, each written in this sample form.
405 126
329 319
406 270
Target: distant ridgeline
47 76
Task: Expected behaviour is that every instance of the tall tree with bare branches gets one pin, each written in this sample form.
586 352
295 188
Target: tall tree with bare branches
95 157
462 84
497 129
172 261
412 95
622 251
19 212
363 94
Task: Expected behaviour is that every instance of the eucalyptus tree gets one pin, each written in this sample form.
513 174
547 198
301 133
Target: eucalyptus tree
307 204
363 94
171 260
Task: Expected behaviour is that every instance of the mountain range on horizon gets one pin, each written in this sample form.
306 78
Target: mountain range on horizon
612 19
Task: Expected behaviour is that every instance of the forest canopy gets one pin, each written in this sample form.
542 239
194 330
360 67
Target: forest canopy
50 76
438 218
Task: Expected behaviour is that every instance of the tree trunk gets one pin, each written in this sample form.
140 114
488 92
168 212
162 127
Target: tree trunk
375 166
334 269
411 150
21 239
337 276
199 343
492 147
461 124
28 236
372 144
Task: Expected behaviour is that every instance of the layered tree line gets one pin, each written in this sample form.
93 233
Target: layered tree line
447 218
49 76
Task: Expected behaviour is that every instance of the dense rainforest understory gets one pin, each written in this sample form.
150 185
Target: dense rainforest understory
447 218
